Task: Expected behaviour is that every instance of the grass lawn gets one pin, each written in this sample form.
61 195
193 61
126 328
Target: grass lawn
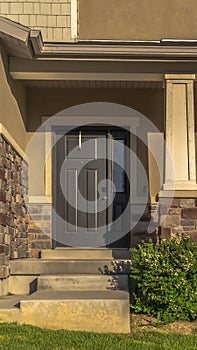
13 337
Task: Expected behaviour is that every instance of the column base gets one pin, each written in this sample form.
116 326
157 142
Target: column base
178 214
180 186
170 194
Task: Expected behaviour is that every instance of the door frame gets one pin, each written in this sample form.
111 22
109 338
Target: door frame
89 129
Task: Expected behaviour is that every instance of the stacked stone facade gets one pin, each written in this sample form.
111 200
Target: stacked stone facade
13 211
180 218
40 228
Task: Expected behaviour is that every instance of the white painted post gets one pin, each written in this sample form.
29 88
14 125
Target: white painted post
180 159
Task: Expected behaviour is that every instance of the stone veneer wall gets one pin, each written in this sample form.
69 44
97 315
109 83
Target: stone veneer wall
40 228
181 218
13 211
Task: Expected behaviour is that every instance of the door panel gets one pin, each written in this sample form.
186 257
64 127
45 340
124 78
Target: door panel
82 162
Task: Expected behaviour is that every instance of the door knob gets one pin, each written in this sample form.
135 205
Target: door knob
104 198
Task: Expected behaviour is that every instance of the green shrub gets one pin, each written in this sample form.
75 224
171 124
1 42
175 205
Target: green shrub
166 275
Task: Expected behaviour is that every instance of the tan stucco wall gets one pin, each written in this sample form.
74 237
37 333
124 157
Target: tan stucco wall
52 17
49 101
11 110
137 19
36 171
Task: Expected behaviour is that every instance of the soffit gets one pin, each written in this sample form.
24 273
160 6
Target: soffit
90 84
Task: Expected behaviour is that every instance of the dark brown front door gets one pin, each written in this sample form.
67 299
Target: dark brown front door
84 162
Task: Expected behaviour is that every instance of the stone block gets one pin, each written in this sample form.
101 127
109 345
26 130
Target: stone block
40 244
2 172
2 259
170 220
189 213
8 197
36 217
191 234
2 219
187 222
174 211
6 249
1 238
34 230
33 253
7 239
2 150
187 203
35 209
4 272
22 251
139 237
165 232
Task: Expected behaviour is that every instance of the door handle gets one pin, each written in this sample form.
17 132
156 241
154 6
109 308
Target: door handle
104 198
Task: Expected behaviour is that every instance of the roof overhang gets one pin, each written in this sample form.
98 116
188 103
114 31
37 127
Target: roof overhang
22 41
31 58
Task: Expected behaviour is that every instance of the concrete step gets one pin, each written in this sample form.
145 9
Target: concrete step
9 309
77 254
39 267
91 311
82 282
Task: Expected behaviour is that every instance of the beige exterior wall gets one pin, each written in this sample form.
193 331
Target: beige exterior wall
137 19
36 177
12 104
149 102
52 17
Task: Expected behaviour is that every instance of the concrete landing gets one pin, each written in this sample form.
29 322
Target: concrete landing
95 311
91 311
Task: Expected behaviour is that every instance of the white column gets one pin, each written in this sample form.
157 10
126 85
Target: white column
180 159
